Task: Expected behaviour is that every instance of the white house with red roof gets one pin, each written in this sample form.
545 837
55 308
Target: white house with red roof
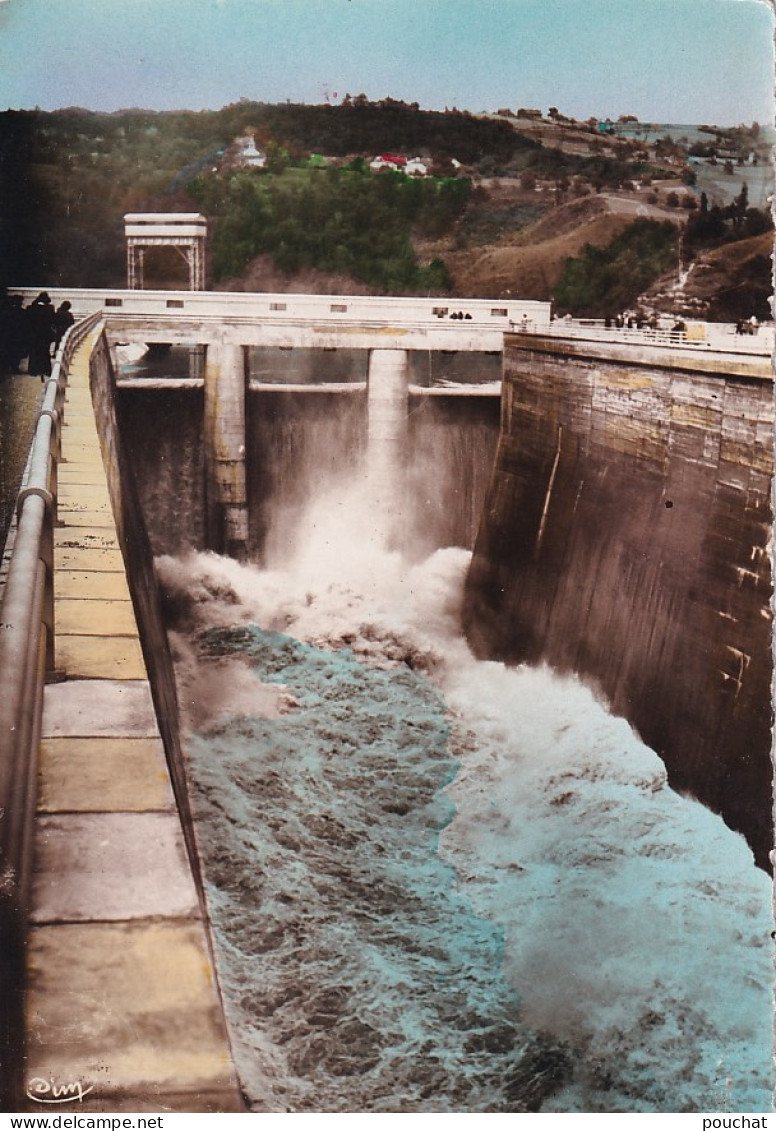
391 161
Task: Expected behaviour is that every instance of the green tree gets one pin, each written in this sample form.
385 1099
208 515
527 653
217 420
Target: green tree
605 280
335 220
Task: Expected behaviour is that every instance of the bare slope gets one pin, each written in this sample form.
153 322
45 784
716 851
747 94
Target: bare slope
529 261
725 284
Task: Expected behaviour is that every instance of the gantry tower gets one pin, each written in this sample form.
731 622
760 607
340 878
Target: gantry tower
184 231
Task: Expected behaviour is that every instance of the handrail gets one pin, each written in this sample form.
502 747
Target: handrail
713 337
26 656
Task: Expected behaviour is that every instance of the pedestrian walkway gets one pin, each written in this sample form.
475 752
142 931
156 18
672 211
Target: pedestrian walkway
122 1004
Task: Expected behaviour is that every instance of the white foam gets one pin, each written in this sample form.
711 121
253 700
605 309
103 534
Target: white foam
636 926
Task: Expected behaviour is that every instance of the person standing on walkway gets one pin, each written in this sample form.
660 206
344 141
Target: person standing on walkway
42 331
63 320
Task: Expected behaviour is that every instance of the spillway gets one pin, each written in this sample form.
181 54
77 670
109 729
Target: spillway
436 883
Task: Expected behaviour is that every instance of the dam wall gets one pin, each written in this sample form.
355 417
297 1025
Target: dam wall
138 557
625 538
301 439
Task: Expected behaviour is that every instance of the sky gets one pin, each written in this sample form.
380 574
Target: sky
702 61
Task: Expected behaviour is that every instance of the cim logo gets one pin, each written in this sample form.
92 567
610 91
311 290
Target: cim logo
42 1091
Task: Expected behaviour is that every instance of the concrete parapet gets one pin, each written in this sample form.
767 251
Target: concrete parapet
669 357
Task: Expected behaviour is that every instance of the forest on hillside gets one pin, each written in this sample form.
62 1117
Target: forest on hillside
341 221
68 177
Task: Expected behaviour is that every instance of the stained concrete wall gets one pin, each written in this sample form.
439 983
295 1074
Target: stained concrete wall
138 557
452 444
163 437
625 537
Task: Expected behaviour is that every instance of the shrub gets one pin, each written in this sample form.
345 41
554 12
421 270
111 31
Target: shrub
605 280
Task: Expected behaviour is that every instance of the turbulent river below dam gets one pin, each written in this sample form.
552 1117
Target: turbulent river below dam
438 884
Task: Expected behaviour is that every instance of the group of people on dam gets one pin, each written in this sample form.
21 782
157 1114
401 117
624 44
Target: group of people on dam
638 321
31 332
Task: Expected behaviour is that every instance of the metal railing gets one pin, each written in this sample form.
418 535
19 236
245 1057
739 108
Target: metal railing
26 657
706 336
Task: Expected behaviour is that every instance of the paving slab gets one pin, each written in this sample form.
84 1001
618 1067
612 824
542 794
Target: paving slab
70 534
83 708
77 498
89 512
93 560
125 1008
77 410
86 487
80 450
103 866
84 462
99 657
103 774
94 618
141 1102
86 586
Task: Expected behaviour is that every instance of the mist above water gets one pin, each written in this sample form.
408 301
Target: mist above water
438 884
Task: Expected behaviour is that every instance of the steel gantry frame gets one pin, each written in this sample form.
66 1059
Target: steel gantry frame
186 232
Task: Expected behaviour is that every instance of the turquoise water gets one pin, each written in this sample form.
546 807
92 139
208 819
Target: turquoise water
441 885
347 943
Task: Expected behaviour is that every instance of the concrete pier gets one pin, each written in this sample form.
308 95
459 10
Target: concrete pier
227 510
387 398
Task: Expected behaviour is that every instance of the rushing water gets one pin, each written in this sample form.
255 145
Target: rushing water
438 884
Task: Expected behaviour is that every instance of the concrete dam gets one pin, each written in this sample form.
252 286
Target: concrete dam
623 534
430 881
626 538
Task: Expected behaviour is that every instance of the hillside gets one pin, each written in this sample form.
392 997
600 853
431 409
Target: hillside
727 283
506 200
530 260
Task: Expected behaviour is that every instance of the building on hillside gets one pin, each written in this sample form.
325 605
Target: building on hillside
416 168
390 161
247 155
394 163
